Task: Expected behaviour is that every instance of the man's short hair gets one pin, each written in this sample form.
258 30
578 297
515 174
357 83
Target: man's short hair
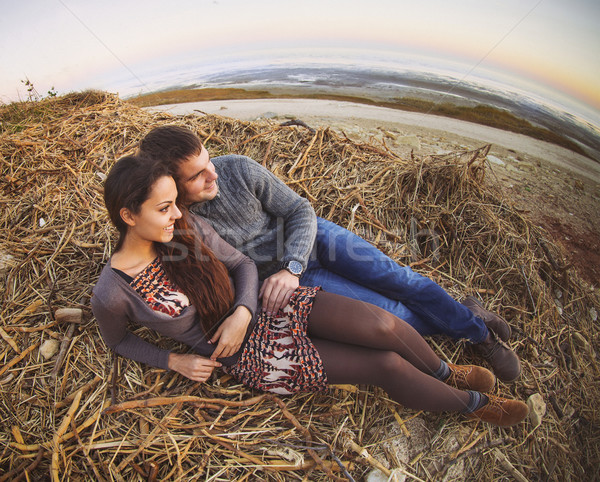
171 145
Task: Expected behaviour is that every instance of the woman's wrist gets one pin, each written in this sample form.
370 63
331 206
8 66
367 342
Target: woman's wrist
173 360
243 313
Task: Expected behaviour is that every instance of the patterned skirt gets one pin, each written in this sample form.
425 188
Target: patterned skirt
279 357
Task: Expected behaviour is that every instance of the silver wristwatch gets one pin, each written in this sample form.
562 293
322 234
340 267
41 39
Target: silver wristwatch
294 267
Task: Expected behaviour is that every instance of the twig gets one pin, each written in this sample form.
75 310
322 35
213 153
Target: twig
12 475
64 347
161 401
68 399
296 122
305 432
60 432
17 359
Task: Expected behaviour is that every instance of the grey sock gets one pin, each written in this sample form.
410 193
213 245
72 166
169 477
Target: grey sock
443 372
476 401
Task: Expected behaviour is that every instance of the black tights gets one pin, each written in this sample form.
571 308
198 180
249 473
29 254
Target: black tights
360 343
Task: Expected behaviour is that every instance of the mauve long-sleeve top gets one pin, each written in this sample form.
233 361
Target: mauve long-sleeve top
115 304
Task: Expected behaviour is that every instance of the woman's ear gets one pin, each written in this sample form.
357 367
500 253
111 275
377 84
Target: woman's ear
127 216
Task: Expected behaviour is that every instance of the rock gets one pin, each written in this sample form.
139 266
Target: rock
7 262
537 409
49 348
388 134
512 168
68 315
268 115
559 306
403 446
495 160
412 141
377 475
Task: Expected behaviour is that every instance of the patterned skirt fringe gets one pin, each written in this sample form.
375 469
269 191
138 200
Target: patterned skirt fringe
279 357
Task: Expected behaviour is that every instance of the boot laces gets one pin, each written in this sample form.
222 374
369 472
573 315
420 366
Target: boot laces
495 403
459 374
497 344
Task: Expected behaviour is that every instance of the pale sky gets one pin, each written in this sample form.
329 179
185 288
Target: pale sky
550 46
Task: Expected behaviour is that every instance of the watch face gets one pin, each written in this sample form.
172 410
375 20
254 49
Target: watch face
295 267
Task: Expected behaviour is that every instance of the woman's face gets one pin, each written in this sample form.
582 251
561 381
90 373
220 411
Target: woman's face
156 218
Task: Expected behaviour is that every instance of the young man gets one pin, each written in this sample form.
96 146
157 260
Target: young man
263 218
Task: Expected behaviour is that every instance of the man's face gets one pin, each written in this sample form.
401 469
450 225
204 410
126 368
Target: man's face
198 178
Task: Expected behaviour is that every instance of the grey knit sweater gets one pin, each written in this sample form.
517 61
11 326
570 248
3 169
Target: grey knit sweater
259 215
116 304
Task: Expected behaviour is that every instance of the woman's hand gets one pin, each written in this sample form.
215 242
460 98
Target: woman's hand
194 367
277 290
231 333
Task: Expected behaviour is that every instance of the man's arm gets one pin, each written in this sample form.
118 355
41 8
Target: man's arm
282 203
300 229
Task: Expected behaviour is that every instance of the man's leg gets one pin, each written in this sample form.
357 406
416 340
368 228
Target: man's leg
334 283
355 259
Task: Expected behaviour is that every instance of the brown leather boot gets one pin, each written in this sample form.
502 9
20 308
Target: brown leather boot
504 361
494 322
501 411
470 377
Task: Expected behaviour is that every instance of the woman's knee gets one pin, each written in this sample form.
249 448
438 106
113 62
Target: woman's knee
393 371
387 326
390 364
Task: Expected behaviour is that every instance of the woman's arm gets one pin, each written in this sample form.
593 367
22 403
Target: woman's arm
194 367
231 332
113 328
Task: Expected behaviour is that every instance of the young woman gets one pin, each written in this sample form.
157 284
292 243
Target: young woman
181 279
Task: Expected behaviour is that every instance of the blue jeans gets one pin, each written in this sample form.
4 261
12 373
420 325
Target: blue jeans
348 265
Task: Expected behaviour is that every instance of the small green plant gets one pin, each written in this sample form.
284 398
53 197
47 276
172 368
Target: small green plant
33 95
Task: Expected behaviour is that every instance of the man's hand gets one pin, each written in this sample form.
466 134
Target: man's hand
231 333
194 367
277 290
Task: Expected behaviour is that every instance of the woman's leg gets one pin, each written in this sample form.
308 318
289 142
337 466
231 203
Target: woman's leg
340 319
404 383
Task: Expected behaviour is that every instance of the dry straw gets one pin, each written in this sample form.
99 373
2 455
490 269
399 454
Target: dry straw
81 412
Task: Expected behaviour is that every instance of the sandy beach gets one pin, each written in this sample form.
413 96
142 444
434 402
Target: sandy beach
557 188
348 116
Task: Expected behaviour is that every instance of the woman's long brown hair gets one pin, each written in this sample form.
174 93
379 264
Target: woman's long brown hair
198 273
189 263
